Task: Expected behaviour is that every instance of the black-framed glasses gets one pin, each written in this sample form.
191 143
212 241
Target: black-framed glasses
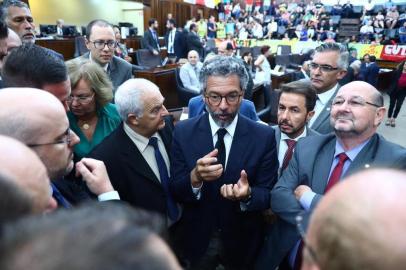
353 102
81 99
67 138
301 230
100 44
323 68
215 99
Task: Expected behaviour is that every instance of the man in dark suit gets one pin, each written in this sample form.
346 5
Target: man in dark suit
174 41
328 66
320 161
150 40
223 166
372 72
101 43
129 154
193 40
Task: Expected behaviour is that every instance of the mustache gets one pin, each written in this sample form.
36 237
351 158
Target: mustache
284 122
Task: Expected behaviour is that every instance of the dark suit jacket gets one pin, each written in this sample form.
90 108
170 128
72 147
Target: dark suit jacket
194 43
149 42
179 44
119 70
372 74
197 107
253 149
310 165
129 173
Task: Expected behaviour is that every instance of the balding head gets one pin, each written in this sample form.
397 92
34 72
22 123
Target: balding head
357 111
140 104
193 57
360 223
38 119
24 167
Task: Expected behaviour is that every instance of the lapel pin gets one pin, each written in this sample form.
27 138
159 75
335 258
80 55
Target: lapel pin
367 166
328 109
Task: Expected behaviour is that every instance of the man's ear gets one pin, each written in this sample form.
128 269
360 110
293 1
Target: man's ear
309 116
132 119
88 43
341 74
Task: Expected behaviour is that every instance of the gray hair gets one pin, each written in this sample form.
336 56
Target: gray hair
129 97
223 66
336 47
11 3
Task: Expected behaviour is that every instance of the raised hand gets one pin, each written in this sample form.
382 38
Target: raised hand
206 169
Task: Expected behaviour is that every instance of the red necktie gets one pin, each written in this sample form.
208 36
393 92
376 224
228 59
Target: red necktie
336 174
288 155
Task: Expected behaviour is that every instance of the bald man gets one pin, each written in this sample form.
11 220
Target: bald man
38 119
319 162
189 72
26 170
8 41
360 224
130 154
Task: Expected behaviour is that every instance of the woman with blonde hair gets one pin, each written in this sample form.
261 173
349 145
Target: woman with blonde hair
92 117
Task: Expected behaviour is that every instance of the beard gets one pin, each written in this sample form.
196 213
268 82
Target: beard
222 119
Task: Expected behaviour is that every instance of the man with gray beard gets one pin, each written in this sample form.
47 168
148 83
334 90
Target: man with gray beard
223 166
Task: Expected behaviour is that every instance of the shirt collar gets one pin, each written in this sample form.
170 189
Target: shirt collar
230 128
351 154
326 96
105 67
140 141
286 137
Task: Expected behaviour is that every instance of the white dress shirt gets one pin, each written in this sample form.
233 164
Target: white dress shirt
147 151
283 146
171 41
321 102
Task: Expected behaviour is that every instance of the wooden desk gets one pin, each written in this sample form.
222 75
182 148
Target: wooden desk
66 47
164 78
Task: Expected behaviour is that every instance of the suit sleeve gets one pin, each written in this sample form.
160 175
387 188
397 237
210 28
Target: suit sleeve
283 200
266 176
146 41
180 185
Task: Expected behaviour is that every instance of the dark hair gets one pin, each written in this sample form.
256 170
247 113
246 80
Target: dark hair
151 21
192 26
303 88
265 48
98 22
172 21
33 66
372 58
95 236
3 30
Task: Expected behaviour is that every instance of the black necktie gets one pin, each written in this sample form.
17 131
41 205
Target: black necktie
173 212
221 157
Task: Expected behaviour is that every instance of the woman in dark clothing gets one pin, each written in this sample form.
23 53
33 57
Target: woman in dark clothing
397 94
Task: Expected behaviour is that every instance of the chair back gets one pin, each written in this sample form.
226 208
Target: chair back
284 49
146 59
80 46
184 94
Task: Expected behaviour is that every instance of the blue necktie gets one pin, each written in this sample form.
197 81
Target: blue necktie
173 212
59 197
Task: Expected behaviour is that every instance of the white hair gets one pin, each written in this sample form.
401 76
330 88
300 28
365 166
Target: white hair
129 97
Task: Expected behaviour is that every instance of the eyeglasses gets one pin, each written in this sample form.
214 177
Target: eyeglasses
301 231
67 138
100 44
231 98
80 99
323 68
353 102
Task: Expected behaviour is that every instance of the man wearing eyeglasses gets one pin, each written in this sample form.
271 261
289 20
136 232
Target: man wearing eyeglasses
43 126
223 166
319 162
101 44
329 65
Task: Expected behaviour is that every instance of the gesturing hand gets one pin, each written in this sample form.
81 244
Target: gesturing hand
95 175
237 192
206 170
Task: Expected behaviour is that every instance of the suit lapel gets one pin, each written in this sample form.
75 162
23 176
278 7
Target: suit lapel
325 113
277 137
323 165
365 157
133 157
